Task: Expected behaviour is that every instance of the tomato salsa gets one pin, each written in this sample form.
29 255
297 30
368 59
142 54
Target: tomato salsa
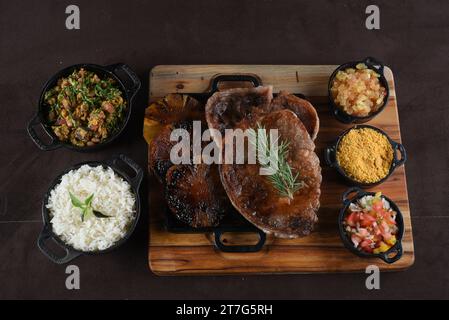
371 224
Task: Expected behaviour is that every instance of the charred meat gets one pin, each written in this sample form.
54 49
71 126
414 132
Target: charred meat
159 153
227 108
255 196
257 199
301 107
194 193
195 196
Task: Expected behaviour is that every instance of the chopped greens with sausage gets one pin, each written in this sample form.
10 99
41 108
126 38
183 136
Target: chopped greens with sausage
85 109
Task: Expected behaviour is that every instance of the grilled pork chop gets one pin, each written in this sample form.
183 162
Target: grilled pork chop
254 195
227 108
301 107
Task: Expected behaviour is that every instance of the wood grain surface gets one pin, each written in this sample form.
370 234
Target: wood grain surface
322 251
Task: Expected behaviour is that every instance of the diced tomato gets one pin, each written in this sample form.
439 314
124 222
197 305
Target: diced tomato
387 217
367 220
366 246
352 219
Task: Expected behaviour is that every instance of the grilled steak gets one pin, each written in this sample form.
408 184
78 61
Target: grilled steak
195 195
254 195
227 108
302 108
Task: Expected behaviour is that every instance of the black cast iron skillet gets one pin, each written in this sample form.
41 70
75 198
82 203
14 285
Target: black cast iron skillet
395 252
233 222
128 83
342 116
331 159
118 164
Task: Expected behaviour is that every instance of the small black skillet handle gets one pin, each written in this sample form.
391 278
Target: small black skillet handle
235 78
138 172
353 190
131 88
403 159
375 64
239 248
329 156
54 144
46 235
394 254
342 117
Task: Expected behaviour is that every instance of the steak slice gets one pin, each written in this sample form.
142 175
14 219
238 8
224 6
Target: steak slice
301 107
227 108
195 195
254 196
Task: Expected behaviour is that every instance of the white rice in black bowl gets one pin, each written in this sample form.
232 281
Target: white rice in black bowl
112 196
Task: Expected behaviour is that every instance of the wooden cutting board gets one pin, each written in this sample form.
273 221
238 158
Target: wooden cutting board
323 251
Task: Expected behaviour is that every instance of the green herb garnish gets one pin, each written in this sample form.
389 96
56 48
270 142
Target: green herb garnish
281 177
86 207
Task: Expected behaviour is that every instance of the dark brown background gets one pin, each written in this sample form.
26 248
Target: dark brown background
34 44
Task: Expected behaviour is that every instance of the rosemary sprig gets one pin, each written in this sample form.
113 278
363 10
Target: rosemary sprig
275 163
86 207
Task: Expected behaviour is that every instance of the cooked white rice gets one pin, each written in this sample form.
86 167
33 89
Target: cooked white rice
112 197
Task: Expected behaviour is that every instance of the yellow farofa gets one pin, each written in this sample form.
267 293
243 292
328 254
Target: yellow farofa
365 155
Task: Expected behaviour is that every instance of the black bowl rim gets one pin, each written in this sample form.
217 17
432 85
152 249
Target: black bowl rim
382 78
88 66
355 182
344 235
57 180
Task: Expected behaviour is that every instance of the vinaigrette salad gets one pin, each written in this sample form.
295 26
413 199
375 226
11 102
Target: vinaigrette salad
371 224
